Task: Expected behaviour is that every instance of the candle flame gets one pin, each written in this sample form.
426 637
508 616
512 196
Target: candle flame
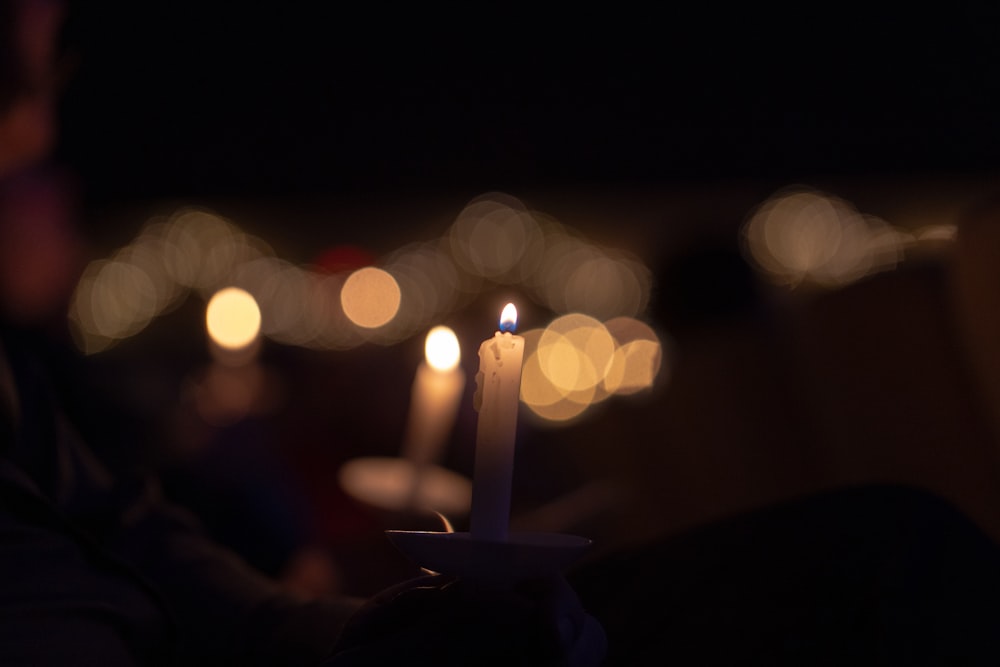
508 318
232 318
441 349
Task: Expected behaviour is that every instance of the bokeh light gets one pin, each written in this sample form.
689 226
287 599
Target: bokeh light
935 233
428 283
113 300
577 361
370 297
498 239
441 349
801 236
575 351
495 239
638 358
232 318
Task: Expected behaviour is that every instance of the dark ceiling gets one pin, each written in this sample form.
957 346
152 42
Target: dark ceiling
177 100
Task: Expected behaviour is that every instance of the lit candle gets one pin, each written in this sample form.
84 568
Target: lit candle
437 390
498 385
232 319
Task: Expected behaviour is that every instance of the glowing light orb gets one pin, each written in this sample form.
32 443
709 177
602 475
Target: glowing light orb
232 318
441 349
370 297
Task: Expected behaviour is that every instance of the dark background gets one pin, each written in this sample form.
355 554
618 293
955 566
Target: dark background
185 100
705 111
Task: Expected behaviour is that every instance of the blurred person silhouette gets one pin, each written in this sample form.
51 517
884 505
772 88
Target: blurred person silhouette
97 568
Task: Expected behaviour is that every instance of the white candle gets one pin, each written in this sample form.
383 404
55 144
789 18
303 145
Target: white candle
498 385
437 390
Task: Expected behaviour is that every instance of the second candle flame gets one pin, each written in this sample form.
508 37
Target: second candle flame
441 349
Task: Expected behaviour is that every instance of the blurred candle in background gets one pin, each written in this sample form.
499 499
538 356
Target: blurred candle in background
437 390
232 319
234 385
498 386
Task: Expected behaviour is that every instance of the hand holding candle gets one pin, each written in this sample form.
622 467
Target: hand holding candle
488 552
497 396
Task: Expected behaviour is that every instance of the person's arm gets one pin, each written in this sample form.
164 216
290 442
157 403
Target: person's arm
225 610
